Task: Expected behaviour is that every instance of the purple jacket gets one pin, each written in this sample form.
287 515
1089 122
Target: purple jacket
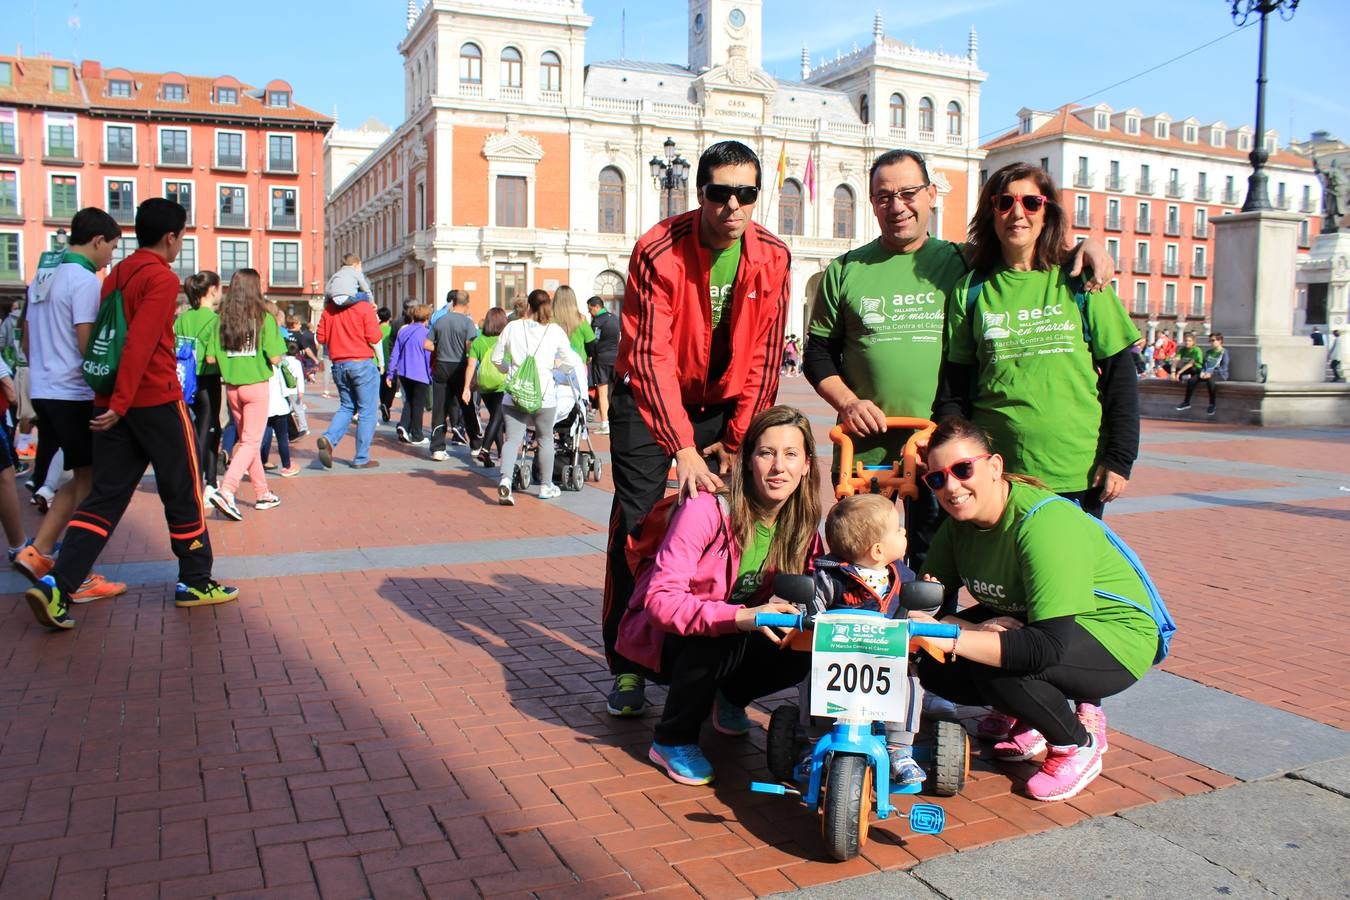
409 358
685 590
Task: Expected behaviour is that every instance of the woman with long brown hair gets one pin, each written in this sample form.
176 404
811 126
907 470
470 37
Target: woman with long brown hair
1034 358
246 344
691 620
195 325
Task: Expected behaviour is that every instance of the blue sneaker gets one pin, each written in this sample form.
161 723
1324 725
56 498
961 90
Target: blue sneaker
684 763
904 770
729 718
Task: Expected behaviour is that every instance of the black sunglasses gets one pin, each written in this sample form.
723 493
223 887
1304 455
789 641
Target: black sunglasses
745 194
1032 203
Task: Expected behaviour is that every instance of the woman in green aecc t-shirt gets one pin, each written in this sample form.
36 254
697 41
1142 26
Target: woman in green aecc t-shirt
1031 358
1046 630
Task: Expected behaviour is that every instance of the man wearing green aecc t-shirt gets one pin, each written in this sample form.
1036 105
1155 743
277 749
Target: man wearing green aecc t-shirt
874 342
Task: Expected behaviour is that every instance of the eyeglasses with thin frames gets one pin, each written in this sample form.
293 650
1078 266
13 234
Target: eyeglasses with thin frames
904 195
961 470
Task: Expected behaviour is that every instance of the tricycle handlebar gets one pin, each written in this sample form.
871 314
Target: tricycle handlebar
933 629
778 620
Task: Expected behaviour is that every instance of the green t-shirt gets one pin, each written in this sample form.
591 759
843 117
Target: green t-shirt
1036 385
195 326
580 337
1194 354
721 279
386 342
1049 569
490 378
750 573
251 364
887 310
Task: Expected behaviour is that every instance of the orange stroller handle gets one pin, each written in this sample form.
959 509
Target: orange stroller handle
903 478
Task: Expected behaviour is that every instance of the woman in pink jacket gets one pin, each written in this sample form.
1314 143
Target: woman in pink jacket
691 621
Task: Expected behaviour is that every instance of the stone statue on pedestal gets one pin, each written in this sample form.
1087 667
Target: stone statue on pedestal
1332 183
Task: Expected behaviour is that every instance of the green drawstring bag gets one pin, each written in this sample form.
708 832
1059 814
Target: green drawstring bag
104 352
523 384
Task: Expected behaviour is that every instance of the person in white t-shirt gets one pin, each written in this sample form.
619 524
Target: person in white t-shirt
58 325
538 336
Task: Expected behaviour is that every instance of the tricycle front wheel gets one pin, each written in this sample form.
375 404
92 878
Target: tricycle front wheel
846 810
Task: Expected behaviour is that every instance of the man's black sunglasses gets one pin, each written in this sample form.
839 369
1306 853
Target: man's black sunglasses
720 193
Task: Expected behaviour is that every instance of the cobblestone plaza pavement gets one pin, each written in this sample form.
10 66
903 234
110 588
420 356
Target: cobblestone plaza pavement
408 700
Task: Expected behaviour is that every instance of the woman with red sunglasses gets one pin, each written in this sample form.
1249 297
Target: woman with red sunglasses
1055 619
1032 358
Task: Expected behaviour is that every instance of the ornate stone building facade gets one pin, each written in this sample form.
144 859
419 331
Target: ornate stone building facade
520 166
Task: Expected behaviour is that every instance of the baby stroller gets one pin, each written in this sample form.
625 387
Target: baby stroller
574 459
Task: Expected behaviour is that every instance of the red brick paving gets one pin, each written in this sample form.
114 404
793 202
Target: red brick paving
441 731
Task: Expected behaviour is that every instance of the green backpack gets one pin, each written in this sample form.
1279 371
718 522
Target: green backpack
105 345
523 384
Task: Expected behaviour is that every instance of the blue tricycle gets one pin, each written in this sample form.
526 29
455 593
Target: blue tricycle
859 676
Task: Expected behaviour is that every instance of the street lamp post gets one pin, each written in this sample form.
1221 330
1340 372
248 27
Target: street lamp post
1257 196
670 176
61 238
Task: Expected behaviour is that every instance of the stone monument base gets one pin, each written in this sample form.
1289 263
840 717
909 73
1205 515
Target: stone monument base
1250 403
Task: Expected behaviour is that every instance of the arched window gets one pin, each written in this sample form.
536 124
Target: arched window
864 112
511 67
611 201
790 208
843 212
897 112
953 119
550 72
470 64
609 287
926 115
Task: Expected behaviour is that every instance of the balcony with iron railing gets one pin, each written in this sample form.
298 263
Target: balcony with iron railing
1172 228
1199 270
1201 230
231 219
122 215
1142 266
1304 240
1083 179
1082 219
1115 223
1282 201
1143 225
1307 205
1145 186
1231 196
1174 190
1116 183
1204 194
1171 267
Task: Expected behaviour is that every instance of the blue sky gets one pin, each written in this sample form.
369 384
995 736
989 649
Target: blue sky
341 54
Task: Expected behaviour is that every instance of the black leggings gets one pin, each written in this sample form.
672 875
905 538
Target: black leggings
743 667
1086 670
492 402
206 416
1195 379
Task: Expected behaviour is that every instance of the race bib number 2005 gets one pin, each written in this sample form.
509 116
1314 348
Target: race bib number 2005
859 667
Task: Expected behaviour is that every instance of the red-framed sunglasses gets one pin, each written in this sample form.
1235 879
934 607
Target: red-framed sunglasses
961 470
1031 203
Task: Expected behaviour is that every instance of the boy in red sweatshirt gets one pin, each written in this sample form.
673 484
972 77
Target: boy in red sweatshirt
144 422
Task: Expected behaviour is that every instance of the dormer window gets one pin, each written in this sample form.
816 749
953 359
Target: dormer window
227 95
279 99
1244 142
61 79
1024 125
1189 134
1131 124
1103 121
1160 130
174 92
1218 138
6 74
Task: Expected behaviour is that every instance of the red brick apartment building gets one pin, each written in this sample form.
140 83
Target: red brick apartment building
246 162
1148 187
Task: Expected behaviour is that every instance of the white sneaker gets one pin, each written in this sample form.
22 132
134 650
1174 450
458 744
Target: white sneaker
424 442
504 497
549 491
439 455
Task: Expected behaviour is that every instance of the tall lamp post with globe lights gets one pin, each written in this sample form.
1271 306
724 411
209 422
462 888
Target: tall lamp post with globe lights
1242 10
671 177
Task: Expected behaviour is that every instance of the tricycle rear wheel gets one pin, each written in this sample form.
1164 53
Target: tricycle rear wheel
951 759
847 805
783 745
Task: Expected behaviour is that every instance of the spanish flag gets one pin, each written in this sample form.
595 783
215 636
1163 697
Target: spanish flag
782 165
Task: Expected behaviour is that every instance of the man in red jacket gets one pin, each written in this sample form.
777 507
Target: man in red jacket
349 332
702 338
144 422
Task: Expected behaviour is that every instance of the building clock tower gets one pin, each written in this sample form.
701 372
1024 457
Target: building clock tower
715 26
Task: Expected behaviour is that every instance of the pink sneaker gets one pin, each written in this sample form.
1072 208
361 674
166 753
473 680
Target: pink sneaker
994 727
1066 771
1094 720
1023 743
